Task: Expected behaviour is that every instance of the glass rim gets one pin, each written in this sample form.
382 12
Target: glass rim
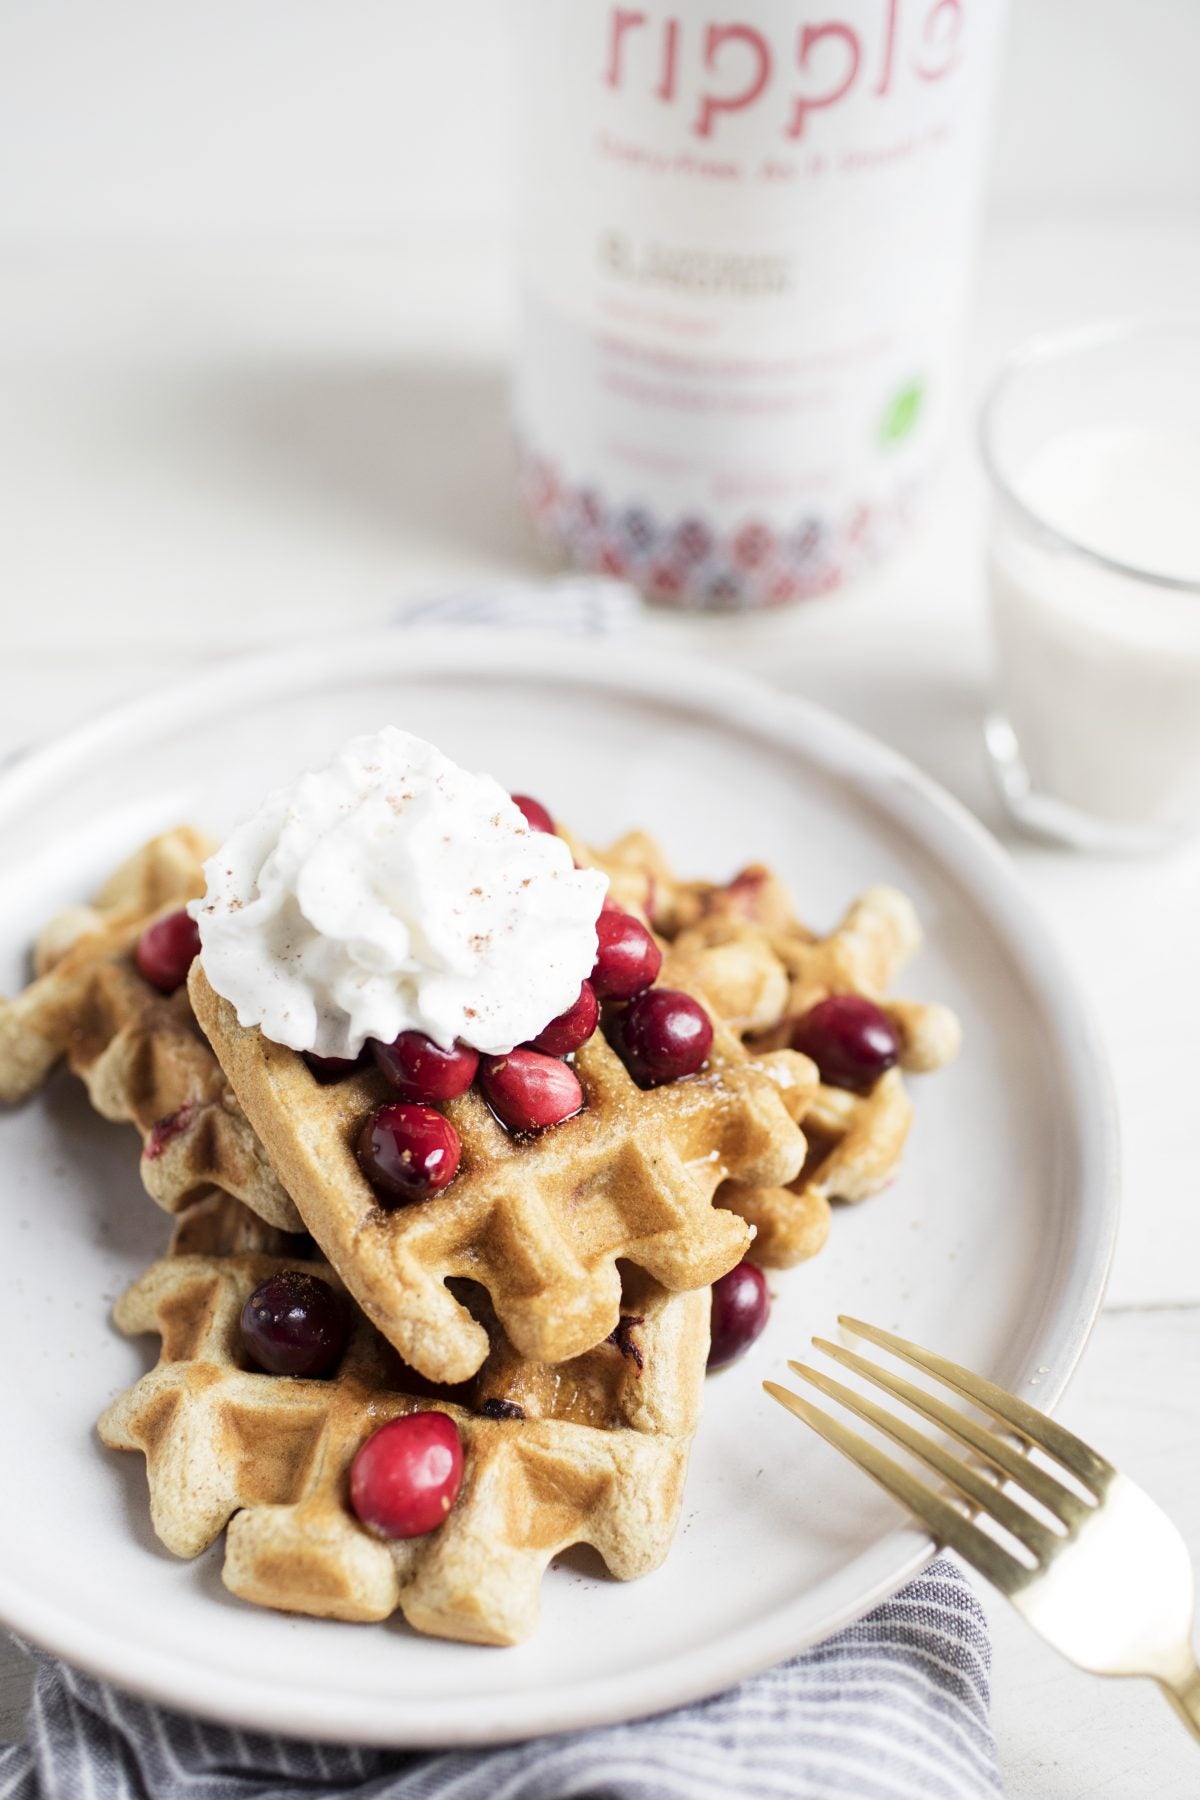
1057 347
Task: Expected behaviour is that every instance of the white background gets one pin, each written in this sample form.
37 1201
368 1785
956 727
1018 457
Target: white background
255 307
347 117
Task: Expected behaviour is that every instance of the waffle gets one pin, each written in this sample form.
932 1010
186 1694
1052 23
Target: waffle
762 969
219 1225
599 1456
539 1222
137 1051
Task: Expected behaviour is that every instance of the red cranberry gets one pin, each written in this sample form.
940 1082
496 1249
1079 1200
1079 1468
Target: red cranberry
528 1091
851 1040
536 816
294 1324
663 1035
627 957
571 1028
328 1069
406 1477
408 1152
165 1131
741 1307
744 893
166 950
419 1069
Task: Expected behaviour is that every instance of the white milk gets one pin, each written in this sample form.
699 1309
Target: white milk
1100 671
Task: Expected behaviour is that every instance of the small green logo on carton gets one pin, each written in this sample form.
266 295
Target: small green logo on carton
901 413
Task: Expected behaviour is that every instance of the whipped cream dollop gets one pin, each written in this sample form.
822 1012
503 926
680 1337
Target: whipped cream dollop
393 891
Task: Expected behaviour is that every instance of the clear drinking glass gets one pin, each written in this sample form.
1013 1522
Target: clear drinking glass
1091 443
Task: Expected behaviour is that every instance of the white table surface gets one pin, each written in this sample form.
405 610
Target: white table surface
219 448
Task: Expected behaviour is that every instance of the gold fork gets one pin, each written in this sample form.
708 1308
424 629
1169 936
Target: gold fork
1090 1562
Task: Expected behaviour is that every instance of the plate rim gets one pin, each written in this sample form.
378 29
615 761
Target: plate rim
960 846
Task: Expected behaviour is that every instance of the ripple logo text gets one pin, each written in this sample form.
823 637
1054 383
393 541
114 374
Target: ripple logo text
712 70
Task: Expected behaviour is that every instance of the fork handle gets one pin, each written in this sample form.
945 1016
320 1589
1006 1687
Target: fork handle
1184 1695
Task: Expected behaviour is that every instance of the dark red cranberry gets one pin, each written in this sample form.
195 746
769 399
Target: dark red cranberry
329 1069
571 1028
621 1338
294 1324
408 1152
744 893
663 1035
536 816
166 950
741 1307
419 1069
851 1040
627 957
165 1131
406 1477
500 1409
528 1091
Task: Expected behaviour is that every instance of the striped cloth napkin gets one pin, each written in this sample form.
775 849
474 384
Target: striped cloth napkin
894 1708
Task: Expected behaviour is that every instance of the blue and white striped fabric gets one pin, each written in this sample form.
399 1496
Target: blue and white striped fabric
895 1708
576 605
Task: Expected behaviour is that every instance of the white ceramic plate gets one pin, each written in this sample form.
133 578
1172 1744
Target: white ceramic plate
993 1245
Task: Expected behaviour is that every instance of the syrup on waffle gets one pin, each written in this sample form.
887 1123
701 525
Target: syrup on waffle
590 1451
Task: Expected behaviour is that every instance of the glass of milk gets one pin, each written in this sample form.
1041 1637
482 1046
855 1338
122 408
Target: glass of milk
1092 446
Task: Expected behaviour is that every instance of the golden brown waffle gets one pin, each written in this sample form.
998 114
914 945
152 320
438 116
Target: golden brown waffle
138 1051
539 1222
763 969
855 1141
599 1456
219 1225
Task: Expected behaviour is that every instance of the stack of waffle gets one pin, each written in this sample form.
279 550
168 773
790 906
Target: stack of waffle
553 1300
762 969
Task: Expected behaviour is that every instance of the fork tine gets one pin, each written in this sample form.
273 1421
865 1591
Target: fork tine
1036 1538
941 1519
1010 1460
1082 1461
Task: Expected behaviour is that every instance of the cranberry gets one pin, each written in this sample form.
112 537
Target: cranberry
536 816
741 1307
571 1028
408 1152
528 1091
419 1069
165 1131
851 1040
406 1477
500 1409
294 1324
743 895
664 1034
627 957
166 950
328 1069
